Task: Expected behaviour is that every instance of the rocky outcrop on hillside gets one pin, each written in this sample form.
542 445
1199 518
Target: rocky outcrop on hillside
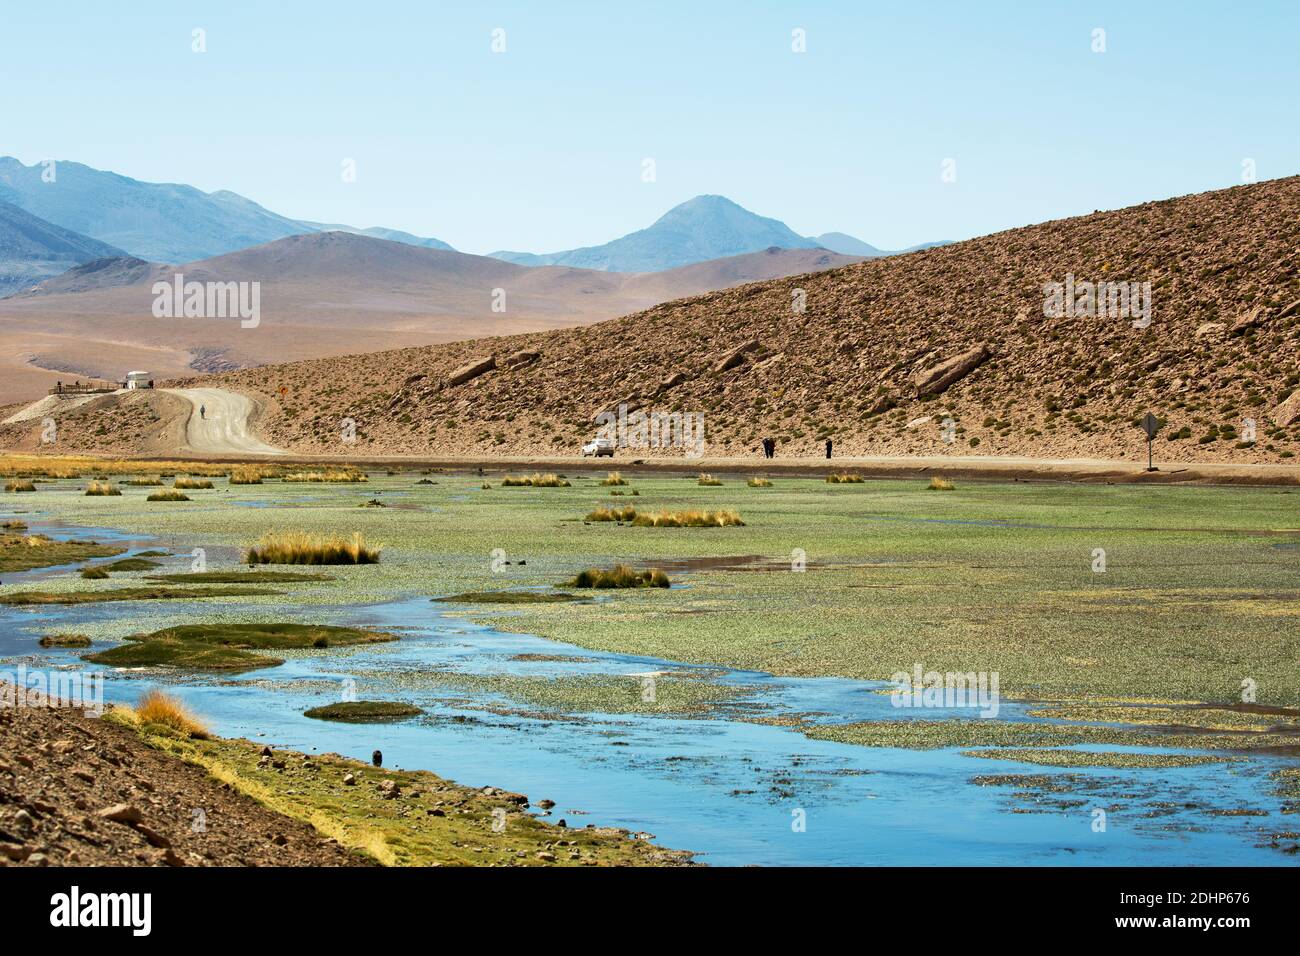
856 353
938 378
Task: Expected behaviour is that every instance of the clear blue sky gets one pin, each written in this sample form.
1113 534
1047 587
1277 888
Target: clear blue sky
540 148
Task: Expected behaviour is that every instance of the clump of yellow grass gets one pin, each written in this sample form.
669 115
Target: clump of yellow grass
533 481
612 514
162 709
247 476
20 484
619 576
844 478
940 484
614 478
688 519
191 484
759 483
330 476
299 547
709 481
168 494
101 488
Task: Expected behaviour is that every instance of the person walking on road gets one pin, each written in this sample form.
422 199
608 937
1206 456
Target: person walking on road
828 447
203 411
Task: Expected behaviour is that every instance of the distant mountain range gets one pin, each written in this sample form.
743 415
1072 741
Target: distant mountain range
700 229
32 249
175 223
160 222
703 228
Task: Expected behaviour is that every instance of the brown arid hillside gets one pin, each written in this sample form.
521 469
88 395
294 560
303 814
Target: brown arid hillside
326 294
882 355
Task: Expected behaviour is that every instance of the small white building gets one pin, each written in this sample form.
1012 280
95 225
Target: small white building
138 380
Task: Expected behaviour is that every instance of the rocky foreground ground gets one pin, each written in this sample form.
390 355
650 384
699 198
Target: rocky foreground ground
78 790
82 791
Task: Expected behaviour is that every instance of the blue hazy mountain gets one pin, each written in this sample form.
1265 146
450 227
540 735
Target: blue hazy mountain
379 232
847 245
32 249
700 229
703 228
160 222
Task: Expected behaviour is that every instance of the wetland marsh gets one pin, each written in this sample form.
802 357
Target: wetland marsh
753 693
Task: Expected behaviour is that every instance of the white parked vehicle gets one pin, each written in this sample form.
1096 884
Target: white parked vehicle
599 447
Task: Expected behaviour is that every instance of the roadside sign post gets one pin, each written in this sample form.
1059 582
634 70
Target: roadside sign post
1150 425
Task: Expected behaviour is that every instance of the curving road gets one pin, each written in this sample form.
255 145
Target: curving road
222 428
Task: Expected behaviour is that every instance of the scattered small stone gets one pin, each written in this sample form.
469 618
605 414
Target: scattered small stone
15 851
153 836
122 813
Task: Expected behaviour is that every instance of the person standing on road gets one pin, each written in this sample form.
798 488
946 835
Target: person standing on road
203 411
829 443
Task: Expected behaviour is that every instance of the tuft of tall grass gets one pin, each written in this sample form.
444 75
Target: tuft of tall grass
759 483
191 484
329 476
619 576
169 494
614 478
20 484
102 488
146 482
844 478
612 514
688 519
159 708
709 481
246 476
940 484
299 547
94 574
534 481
